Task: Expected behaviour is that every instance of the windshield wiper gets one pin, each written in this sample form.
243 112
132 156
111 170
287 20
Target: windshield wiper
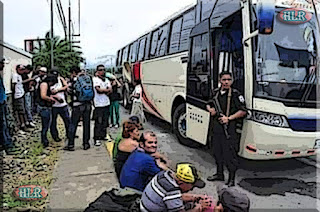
310 80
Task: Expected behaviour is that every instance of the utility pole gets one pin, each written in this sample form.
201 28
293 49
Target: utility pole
51 36
70 36
79 16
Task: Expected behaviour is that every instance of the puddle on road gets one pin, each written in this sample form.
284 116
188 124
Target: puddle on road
279 186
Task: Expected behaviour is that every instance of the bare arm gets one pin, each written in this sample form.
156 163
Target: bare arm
101 90
162 157
43 93
211 110
28 80
118 83
162 165
237 115
65 85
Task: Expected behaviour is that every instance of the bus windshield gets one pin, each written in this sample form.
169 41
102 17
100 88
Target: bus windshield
286 61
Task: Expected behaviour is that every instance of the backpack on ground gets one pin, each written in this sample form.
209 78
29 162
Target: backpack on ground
113 201
84 88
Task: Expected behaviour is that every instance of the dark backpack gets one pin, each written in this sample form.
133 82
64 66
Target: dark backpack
109 201
84 88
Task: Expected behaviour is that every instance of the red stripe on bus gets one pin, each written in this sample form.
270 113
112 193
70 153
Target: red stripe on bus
145 98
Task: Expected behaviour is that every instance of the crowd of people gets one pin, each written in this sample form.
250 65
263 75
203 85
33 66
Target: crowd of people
139 165
48 94
143 170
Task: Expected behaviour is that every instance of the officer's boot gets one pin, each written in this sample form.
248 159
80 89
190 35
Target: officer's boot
218 176
231 180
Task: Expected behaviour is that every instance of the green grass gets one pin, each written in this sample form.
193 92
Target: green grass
28 175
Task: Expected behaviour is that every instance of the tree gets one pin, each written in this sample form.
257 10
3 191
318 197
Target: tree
65 54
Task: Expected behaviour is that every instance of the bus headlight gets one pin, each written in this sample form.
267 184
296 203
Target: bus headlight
317 144
269 119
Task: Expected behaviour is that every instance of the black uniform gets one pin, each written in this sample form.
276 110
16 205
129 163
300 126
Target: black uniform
224 150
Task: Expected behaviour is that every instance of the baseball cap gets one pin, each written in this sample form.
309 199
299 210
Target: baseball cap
43 69
187 173
55 71
134 119
233 200
29 67
20 66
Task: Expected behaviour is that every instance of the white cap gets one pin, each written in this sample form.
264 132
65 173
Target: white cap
43 69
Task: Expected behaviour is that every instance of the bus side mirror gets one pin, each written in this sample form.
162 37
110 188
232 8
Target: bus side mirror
266 13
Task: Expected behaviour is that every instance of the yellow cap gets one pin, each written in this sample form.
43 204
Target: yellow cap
184 173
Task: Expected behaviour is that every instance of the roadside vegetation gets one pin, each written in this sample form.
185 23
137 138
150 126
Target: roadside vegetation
33 165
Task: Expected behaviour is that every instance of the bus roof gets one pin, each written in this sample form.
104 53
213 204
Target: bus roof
173 16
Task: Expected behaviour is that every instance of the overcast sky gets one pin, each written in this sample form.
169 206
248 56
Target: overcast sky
106 25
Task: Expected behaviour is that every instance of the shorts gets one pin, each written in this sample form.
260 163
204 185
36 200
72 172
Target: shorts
19 106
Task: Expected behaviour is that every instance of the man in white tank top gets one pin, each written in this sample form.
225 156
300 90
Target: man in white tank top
60 107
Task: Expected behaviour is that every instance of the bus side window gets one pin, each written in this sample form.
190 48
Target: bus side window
142 45
189 21
162 42
198 77
154 43
175 35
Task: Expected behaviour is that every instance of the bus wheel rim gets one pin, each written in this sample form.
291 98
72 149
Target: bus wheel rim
182 128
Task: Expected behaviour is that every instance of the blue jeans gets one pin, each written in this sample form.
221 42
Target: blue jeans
64 113
5 138
28 107
45 113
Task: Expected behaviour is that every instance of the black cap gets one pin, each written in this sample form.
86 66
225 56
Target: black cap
29 67
55 71
233 200
134 119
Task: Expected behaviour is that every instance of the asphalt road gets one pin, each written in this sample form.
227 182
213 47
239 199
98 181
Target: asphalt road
278 184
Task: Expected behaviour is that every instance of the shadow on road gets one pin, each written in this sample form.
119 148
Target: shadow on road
278 186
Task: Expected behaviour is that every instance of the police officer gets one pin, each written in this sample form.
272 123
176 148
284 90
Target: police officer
233 109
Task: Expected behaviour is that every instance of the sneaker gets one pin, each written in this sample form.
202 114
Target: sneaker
230 183
86 146
21 132
216 177
57 139
69 148
97 143
111 125
31 125
11 151
116 126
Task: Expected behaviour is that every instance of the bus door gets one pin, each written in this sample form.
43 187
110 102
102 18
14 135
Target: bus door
198 84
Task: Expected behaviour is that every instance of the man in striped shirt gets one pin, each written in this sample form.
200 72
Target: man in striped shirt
166 191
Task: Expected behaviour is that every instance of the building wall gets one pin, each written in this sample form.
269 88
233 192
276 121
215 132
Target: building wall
13 57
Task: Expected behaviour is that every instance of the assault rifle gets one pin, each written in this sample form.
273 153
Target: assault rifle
219 114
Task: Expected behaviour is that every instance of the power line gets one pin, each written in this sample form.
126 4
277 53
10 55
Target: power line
62 12
56 20
62 18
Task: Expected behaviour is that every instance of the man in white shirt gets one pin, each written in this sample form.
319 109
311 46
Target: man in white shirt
102 88
18 96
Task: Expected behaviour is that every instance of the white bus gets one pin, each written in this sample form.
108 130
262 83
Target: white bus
274 62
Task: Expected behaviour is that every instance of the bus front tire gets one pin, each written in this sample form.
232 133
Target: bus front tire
179 127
